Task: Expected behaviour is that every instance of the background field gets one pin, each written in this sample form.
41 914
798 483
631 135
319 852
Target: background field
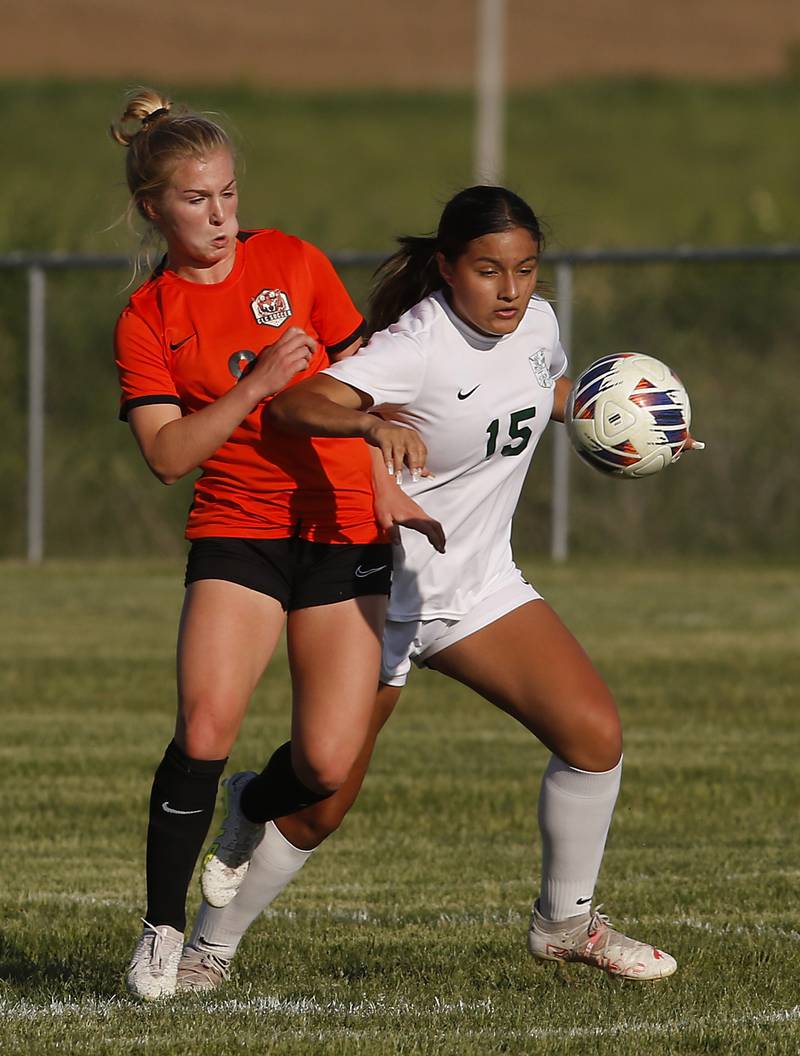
607 163
406 933
419 43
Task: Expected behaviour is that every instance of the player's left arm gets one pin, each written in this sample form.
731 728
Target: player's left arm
562 391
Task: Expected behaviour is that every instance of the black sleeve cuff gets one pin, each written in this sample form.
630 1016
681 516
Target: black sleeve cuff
144 401
340 346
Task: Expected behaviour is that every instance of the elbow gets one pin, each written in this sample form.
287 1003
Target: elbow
165 476
169 466
164 472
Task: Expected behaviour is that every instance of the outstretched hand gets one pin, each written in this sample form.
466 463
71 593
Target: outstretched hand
395 510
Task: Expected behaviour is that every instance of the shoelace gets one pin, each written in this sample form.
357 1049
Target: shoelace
599 920
610 939
158 941
197 961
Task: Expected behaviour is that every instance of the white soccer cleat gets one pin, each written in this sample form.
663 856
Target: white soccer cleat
591 940
153 970
228 857
202 970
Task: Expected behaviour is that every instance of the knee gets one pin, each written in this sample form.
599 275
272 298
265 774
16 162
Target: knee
322 773
606 749
597 747
205 730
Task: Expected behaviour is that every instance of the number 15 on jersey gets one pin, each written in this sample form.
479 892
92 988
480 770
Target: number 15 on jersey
518 433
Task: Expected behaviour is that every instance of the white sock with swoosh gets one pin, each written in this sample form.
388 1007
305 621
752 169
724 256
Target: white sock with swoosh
575 810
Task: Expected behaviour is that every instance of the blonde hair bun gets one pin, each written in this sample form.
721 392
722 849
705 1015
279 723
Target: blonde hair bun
145 105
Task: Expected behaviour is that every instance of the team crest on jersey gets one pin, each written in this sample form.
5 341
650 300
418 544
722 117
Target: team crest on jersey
538 362
271 307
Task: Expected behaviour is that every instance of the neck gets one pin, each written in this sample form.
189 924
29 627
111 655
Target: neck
199 271
477 338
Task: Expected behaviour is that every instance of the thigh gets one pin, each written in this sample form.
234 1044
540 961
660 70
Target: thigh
334 654
227 635
529 664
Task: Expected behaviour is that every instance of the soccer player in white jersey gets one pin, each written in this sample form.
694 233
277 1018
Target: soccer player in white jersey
462 374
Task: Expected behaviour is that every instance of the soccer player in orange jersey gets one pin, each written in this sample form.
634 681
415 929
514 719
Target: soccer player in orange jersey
283 529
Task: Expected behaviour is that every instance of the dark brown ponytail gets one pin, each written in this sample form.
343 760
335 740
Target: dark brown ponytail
404 279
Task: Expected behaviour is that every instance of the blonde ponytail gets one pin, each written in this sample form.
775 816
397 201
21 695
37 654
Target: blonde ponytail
144 105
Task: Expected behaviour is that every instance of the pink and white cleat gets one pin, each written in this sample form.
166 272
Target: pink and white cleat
591 940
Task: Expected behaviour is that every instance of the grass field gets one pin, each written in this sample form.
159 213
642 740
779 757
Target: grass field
406 933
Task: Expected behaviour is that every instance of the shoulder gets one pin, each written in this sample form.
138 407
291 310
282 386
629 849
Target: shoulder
418 323
271 241
301 259
143 308
137 331
540 317
539 309
268 240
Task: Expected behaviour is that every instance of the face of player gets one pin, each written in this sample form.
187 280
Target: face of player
196 214
493 280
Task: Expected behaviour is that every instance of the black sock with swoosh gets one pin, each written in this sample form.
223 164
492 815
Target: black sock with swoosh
181 807
277 790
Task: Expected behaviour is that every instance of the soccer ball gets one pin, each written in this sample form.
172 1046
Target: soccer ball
628 415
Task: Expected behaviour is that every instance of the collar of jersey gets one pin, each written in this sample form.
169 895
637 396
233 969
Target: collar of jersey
474 338
210 287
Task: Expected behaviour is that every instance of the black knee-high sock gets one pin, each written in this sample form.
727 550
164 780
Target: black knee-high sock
181 807
277 790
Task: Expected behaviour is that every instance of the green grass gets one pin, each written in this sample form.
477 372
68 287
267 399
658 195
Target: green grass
615 163
405 934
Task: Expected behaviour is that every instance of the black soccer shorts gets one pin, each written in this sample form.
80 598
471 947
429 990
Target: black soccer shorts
297 573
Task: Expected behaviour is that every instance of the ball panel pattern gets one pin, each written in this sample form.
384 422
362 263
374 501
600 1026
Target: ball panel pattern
628 415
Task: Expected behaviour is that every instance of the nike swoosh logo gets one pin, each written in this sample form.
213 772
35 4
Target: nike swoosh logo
361 572
171 810
583 901
175 345
464 395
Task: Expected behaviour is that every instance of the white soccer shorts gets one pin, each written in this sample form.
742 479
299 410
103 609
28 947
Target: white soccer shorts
414 641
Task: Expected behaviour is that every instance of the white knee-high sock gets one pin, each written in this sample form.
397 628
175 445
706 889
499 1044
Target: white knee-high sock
575 809
274 864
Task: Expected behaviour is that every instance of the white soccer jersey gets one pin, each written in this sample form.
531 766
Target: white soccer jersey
480 404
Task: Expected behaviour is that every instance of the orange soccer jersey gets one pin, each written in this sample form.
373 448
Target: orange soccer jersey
187 343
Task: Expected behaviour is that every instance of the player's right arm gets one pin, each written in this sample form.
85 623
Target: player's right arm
325 406
174 444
